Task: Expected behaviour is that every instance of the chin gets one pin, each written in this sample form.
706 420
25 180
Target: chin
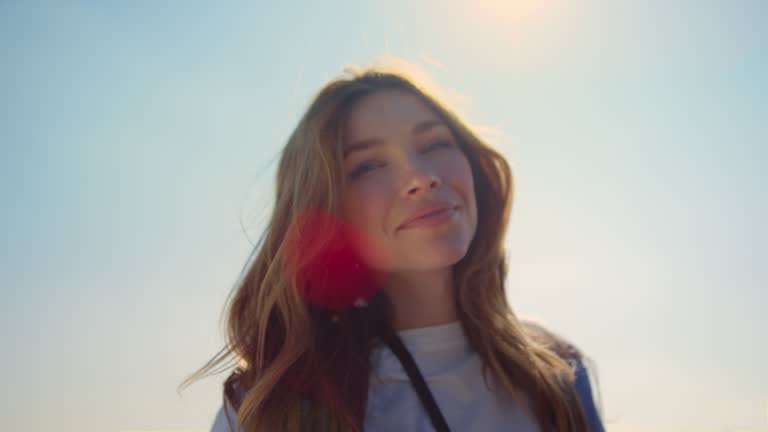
434 258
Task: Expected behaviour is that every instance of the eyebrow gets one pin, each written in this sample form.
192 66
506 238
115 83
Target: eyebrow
371 142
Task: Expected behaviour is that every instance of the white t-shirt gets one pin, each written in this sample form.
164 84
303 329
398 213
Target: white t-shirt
453 372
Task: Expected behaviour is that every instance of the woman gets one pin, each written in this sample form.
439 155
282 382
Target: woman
375 299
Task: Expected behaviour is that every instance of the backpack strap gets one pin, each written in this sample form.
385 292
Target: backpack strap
584 391
417 381
570 353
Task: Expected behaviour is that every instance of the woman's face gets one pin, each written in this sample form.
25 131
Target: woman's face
400 161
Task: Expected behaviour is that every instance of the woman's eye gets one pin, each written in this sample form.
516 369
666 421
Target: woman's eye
371 165
441 143
362 169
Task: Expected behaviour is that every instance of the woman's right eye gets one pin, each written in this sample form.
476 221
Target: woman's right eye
362 169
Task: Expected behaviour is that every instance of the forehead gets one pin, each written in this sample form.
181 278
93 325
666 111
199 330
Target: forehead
385 113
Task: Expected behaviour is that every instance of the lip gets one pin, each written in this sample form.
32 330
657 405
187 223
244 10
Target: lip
420 215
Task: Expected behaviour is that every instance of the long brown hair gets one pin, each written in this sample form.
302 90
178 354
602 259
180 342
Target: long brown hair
299 367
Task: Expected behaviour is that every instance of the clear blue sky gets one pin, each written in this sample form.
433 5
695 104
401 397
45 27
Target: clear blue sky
137 146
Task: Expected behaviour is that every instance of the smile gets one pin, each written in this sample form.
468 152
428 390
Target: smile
432 219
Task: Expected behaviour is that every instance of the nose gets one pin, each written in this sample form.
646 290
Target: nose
420 181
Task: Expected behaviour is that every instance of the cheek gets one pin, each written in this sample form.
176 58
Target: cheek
457 173
365 206
459 178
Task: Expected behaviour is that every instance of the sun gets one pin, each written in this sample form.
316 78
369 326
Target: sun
511 16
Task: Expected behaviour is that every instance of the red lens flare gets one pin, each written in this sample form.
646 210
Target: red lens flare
324 253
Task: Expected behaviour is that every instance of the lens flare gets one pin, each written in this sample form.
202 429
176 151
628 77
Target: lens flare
325 253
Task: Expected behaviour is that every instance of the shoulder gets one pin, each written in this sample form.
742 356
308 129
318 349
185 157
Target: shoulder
226 419
571 353
542 335
234 392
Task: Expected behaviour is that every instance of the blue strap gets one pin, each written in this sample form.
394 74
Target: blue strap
584 391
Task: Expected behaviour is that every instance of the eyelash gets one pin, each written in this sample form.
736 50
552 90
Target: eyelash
360 169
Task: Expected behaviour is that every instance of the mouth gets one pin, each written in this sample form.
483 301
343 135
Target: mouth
433 218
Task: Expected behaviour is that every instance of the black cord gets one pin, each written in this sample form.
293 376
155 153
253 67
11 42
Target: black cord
417 380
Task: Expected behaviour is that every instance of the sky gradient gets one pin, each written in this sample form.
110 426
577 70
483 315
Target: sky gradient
137 155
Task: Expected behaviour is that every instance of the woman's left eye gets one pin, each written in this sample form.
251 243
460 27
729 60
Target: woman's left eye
444 143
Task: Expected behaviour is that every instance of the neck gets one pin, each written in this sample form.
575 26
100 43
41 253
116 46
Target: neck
422 299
